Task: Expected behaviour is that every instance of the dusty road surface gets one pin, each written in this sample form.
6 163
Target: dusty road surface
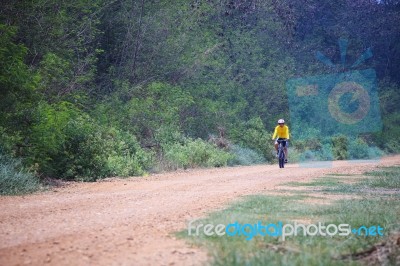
132 221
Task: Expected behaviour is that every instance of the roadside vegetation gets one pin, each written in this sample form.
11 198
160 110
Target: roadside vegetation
94 89
370 200
15 179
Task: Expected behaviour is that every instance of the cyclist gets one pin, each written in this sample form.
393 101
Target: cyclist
281 133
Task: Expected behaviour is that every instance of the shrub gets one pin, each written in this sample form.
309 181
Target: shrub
126 157
68 144
245 156
253 135
322 153
84 152
196 153
8 141
392 146
91 152
388 138
339 147
47 134
326 152
14 179
359 149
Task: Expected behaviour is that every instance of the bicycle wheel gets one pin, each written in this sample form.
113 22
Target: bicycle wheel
281 158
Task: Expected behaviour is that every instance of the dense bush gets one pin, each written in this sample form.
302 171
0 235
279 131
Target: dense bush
322 152
253 135
125 156
8 141
91 152
359 149
14 179
67 143
245 156
196 153
388 139
339 147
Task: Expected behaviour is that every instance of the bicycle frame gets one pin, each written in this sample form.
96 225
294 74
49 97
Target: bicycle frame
281 154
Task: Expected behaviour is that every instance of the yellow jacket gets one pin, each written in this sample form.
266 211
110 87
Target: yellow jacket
281 132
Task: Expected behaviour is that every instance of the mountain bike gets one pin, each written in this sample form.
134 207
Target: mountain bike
281 153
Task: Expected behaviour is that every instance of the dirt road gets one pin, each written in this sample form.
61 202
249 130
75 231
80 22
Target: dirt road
132 221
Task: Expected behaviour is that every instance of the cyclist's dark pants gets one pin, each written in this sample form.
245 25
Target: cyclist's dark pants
284 142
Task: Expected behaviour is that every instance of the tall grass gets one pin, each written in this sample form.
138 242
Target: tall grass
383 178
14 179
195 153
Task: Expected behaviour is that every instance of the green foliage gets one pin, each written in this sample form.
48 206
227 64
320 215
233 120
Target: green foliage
373 208
55 73
312 152
196 153
48 135
388 139
252 134
126 157
17 82
14 178
8 141
383 178
91 152
344 148
359 149
245 156
340 147
389 96
67 143
85 86
14 73
155 108
60 37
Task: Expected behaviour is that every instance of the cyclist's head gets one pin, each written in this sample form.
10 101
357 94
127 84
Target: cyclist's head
281 122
